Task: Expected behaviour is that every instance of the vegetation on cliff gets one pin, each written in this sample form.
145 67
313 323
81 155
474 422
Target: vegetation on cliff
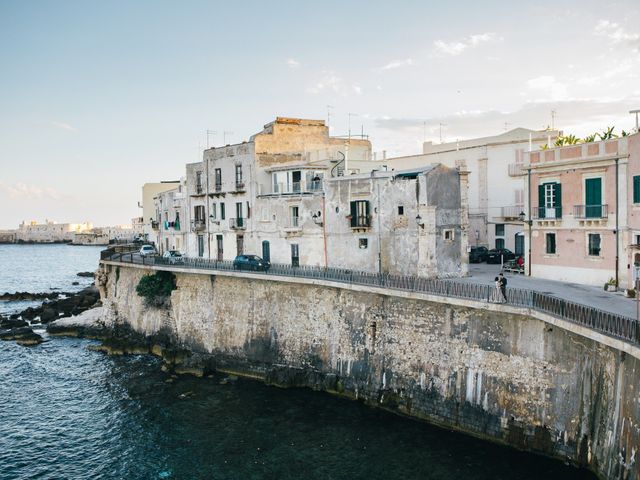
156 288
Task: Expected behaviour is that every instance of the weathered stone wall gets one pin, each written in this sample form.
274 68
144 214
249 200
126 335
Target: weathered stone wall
506 377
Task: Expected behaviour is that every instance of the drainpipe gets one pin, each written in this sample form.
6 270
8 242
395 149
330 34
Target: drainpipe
529 221
379 236
324 228
617 226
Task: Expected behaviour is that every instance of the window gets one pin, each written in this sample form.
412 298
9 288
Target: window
550 243
363 243
400 210
550 200
637 237
500 243
499 229
238 209
294 213
265 214
220 247
218 177
213 211
636 189
594 244
222 212
448 235
248 210
360 214
198 213
198 182
295 255
239 183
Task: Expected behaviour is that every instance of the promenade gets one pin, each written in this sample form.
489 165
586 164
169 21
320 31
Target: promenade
596 297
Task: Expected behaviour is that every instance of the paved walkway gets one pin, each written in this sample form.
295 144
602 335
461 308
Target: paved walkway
596 297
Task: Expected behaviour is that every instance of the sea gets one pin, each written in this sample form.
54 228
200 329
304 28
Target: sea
67 412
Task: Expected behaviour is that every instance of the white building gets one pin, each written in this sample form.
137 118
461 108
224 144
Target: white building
496 185
171 213
50 232
147 204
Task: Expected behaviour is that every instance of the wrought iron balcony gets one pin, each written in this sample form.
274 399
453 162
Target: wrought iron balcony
237 223
360 221
198 225
547 213
199 189
590 211
218 187
240 186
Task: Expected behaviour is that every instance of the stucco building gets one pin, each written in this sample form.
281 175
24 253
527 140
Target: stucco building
496 188
50 231
585 212
147 204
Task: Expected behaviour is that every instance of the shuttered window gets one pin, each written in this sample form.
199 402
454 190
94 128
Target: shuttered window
636 189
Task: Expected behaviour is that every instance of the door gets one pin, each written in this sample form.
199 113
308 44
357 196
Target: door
200 246
240 245
296 177
266 252
519 245
593 197
295 255
220 248
239 219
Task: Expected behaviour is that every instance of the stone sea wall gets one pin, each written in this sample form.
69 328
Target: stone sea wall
499 375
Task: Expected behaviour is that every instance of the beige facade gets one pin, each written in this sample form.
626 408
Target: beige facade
50 232
149 192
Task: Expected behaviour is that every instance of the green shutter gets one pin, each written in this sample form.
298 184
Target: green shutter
557 190
354 214
541 201
593 197
636 189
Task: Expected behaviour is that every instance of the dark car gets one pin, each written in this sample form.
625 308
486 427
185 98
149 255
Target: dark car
499 255
478 254
250 262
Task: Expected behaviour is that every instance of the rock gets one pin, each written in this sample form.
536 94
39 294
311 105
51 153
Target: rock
29 339
85 274
10 323
16 333
75 283
28 296
48 315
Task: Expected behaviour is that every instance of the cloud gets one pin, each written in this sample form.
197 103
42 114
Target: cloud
64 126
580 117
24 191
454 48
617 34
293 63
333 83
548 87
407 62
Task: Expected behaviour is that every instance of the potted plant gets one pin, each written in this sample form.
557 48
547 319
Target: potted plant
611 285
630 292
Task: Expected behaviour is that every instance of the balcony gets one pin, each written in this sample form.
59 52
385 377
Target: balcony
296 187
198 225
155 225
199 190
547 213
511 211
237 223
587 212
515 169
240 187
360 221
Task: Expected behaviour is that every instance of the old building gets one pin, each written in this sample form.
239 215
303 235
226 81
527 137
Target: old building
496 188
50 231
170 229
584 212
147 204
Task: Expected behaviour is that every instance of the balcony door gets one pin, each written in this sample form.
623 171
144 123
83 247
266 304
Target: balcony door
239 245
593 197
200 246
266 251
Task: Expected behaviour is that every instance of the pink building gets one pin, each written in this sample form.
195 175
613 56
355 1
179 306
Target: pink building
583 206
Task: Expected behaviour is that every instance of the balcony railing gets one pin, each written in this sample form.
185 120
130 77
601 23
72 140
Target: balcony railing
608 323
515 169
199 189
297 187
240 186
218 187
198 225
155 225
512 211
547 213
590 211
237 223
360 221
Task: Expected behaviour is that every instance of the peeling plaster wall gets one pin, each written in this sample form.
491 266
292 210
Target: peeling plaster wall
506 377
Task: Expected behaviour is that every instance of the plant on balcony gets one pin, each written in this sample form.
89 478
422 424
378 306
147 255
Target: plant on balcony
608 134
590 138
611 285
156 289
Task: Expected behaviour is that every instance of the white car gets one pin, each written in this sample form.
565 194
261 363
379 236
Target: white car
174 256
146 250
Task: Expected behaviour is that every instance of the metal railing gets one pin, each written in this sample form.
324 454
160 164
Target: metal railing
198 225
608 323
360 221
512 211
240 186
237 223
547 213
590 211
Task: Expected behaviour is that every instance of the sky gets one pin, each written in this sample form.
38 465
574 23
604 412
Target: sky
97 98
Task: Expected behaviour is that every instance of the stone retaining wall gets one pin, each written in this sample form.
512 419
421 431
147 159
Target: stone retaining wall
503 376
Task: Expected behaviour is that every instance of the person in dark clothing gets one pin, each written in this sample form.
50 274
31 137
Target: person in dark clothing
503 286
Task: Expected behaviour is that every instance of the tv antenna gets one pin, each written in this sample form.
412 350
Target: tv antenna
212 133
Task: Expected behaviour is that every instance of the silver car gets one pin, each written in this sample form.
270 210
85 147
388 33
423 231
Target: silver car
146 250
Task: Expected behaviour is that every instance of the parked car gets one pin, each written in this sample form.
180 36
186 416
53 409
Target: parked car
173 256
478 254
146 250
250 262
499 255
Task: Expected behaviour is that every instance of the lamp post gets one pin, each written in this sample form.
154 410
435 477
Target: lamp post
529 222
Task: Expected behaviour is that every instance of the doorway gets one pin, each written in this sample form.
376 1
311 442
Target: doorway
295 255
240 244
266 252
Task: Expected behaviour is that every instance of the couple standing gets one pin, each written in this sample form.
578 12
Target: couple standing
501 288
